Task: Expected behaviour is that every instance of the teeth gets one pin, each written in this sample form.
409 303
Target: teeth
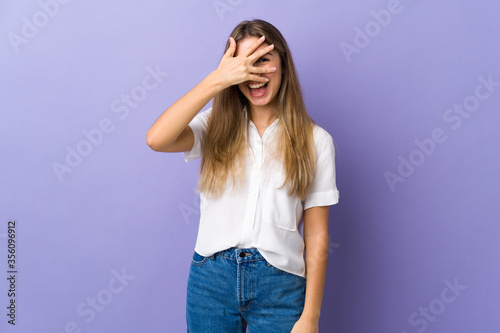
257 85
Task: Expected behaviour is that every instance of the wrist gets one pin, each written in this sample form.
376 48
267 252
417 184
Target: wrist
312 316
216 81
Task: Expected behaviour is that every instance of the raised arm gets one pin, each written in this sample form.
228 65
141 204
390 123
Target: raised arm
170 132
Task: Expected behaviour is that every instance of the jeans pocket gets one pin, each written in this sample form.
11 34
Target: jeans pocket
198 259
277 270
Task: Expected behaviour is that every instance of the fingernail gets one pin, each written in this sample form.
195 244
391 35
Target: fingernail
262 38
271 46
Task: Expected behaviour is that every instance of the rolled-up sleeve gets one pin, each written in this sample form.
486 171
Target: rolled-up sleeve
199 127
324 190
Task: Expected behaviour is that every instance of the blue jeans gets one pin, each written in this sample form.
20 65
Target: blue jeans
236 288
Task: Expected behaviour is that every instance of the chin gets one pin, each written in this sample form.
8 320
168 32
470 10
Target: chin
260 102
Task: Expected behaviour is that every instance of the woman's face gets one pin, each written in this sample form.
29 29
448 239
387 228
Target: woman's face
257 94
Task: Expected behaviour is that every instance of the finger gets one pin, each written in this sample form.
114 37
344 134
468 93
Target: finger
256 78
232 48
260 53
254 46
263 70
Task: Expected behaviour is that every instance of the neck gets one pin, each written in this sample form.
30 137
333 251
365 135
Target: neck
263 115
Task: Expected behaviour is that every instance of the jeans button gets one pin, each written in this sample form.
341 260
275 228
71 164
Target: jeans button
242 254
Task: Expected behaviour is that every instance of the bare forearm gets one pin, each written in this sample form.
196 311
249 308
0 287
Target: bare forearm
316 256
174 120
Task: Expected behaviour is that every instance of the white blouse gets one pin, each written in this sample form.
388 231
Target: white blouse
259 214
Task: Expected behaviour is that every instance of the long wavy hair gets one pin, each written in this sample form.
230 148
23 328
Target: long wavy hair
225 147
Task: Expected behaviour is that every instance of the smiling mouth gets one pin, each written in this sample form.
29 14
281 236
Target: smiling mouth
258 89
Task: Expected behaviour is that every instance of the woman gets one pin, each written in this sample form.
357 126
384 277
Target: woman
265 168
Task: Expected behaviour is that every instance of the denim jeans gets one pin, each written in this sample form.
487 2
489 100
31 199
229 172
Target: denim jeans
236 288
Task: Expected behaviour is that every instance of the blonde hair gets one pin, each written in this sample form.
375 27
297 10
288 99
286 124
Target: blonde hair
225 146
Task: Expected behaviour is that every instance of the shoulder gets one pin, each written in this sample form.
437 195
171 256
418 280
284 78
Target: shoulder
205 114
201 119
322 139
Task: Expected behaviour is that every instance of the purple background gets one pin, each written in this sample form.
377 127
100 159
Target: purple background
125 208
